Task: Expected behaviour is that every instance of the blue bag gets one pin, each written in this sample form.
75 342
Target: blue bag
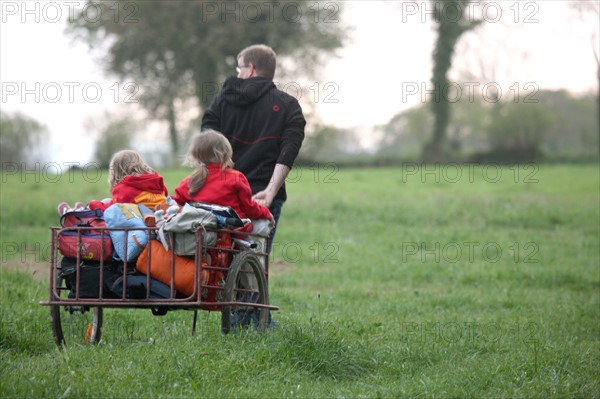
136 288
127 243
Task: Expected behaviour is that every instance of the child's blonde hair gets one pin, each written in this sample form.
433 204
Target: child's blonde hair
208 146
126 163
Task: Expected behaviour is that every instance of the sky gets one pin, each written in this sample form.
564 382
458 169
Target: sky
385 67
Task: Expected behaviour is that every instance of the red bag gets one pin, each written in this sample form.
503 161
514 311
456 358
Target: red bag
219 258
83 236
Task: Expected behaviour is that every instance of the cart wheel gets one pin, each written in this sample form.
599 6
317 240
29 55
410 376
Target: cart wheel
246 282
82 324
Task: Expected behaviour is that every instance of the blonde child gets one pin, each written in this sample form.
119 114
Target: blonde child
215 181
131 180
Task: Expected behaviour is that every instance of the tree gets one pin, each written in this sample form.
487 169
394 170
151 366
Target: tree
405 135
574 132
452 21
327 144
590 11
176 49
114 133
518 130
21 136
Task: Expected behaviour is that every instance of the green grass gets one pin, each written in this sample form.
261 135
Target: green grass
391 282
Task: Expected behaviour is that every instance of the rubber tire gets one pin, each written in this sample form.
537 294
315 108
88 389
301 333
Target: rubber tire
93 329
232 283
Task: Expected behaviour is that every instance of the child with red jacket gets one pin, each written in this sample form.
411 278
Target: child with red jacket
215 181
131 180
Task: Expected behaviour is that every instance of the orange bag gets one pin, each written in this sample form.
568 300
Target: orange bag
160 268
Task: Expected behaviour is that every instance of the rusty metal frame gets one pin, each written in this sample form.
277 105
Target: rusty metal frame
193 301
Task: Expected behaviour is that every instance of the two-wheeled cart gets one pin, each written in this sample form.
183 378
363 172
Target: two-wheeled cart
240 291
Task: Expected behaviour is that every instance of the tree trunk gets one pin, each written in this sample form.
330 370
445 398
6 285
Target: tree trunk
449 31
173 136
434 151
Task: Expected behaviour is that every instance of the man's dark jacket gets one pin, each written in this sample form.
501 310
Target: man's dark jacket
264 125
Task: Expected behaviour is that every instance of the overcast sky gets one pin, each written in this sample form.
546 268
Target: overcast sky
385 68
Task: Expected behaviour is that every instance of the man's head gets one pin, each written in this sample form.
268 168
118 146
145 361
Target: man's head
257 60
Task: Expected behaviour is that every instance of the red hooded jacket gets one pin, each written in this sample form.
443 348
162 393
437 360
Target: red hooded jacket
148 189
226 187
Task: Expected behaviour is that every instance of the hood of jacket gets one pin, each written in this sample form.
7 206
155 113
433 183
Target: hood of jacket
151 182
239 91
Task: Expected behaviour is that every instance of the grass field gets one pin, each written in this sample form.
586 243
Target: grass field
437 281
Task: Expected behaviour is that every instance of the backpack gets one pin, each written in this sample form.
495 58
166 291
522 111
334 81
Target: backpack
89 244
89 278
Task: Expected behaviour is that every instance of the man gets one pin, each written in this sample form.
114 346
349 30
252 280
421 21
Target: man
264 125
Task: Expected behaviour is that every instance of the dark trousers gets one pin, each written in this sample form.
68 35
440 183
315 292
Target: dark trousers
275 209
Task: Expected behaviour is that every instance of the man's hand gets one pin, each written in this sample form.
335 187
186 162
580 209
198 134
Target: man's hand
265 197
